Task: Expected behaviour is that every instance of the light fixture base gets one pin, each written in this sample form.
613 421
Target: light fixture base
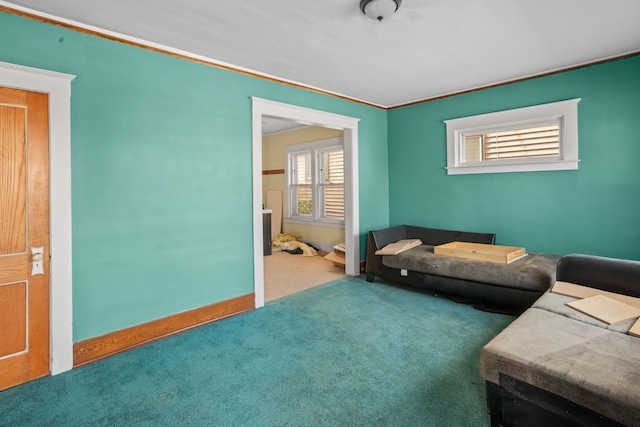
379 10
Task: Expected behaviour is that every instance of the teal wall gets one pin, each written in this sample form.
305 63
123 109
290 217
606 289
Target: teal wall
593 210
162 173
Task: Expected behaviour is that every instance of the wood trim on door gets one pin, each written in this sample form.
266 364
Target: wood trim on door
24 224
273 172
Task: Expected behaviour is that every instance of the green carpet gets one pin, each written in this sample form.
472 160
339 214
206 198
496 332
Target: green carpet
347 353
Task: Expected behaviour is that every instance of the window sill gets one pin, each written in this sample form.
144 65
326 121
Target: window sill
330 224
528 167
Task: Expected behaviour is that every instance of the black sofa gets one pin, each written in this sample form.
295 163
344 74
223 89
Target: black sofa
504 287
554 366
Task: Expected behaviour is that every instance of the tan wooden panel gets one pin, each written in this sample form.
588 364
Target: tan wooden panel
13 180
579 291
605 309
481 251
13 318
399 246
635 329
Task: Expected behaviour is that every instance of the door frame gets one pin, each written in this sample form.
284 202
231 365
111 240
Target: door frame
263 107
58 86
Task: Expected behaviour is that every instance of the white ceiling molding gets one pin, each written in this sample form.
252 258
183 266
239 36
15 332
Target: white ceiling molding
426 50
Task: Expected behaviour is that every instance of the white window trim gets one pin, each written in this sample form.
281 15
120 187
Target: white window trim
315 147
564 111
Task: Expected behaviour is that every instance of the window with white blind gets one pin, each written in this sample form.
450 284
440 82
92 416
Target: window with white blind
315 182
331 183
538 138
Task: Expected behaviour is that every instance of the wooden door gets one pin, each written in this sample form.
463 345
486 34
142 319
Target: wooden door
24 224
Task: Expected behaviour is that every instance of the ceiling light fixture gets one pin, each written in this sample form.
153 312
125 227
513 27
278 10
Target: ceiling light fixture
379 9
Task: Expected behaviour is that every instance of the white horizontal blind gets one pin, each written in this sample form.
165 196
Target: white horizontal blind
302 181
333 183
315 181
521 143
529 139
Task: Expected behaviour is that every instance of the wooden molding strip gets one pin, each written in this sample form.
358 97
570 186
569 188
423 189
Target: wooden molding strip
94 349
211 63
273 172
523 79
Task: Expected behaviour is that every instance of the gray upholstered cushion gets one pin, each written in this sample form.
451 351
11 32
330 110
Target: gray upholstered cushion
533 272
593 366
556 303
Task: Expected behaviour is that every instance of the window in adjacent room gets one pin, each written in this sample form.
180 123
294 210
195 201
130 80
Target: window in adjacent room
315 182
538 138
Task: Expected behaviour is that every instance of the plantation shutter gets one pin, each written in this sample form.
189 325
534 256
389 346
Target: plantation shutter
522 143
333 183
315 175
302 180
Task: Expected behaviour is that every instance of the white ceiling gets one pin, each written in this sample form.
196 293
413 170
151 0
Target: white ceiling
274 125
429 48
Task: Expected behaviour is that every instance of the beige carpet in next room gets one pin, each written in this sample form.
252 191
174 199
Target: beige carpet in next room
286 274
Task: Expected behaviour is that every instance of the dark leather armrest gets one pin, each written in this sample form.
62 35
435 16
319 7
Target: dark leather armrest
609 274
435 236
379 239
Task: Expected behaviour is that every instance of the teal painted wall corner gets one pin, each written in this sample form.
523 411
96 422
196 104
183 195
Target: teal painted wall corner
592 210
162 175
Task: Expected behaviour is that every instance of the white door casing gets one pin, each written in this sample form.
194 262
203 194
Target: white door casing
262 107
58 86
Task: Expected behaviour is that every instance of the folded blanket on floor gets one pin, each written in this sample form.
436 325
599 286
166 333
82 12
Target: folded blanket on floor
306 249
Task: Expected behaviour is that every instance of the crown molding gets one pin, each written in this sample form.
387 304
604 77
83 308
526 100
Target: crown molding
177 53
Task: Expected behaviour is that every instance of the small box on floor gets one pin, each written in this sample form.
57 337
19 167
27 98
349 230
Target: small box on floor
337 256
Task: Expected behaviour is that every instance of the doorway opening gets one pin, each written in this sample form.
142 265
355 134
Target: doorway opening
262 109
303 193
